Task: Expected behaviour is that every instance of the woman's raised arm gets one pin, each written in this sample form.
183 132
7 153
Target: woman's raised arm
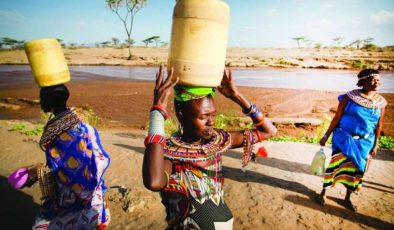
265 129
155 169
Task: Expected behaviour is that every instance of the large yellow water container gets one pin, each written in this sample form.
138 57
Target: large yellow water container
47 62
199 41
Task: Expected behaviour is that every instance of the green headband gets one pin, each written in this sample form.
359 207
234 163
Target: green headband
184 93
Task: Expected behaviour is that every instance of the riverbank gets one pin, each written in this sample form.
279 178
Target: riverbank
325 58
125 103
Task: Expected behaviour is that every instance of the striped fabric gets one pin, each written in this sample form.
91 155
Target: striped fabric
342 170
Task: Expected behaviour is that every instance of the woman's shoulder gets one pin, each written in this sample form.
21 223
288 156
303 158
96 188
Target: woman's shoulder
62 123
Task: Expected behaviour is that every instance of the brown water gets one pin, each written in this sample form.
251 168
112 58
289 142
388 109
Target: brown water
310 79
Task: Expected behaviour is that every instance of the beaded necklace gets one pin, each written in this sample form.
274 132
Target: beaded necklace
59 124
177 149
375 101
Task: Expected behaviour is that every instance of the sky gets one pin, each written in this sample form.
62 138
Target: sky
253 23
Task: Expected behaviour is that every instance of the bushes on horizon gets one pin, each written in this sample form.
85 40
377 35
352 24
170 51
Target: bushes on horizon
359 64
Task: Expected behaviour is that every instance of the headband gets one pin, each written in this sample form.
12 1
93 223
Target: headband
368 76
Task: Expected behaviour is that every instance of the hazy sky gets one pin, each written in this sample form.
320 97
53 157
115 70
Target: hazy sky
254 23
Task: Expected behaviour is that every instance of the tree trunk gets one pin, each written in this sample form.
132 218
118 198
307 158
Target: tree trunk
129 58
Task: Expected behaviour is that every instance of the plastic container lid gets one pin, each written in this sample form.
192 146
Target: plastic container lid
18 178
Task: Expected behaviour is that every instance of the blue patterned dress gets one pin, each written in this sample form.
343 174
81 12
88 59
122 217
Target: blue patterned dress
75 156
353 139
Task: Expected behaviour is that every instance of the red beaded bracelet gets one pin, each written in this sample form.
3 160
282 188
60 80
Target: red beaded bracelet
156 138
161 109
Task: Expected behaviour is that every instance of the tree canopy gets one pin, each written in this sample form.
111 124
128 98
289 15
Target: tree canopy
149 40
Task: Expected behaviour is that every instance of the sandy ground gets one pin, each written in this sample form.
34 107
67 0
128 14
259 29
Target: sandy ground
327 58
274 193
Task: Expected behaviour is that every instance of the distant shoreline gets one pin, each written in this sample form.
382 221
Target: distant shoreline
250 58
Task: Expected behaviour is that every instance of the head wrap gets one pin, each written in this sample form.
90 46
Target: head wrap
184 93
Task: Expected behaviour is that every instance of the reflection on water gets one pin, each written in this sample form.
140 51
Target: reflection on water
314 79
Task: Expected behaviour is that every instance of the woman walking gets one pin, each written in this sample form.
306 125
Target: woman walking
78 162
356 129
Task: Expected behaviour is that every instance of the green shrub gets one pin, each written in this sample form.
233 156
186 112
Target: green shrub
90 116
285 62
321 130
22 128
359 64
290 139
18 127
370 47
228 123
170 126
386 142
45 117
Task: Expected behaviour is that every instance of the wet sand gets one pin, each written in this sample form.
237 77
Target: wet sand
125 103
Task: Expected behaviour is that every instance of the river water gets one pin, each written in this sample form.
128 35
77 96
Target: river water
309 79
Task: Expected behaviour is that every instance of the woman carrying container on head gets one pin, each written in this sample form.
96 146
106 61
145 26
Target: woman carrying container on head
356 130
78 161
72 178
186 167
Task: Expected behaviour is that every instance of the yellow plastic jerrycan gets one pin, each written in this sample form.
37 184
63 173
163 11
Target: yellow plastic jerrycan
199 41
47 62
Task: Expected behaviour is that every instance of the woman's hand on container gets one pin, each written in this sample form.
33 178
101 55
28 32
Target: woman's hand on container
32 176
227 86
163 87
323 141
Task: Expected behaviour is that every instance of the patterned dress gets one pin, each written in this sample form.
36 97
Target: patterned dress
353 140
193 196
75 156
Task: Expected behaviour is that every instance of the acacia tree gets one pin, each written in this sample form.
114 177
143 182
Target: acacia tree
126 10
338 41
368 41
163 44
356 42
149 40
146 42
115 42
368 45
156 40
12 43
61 42
105 44
130 42
298 39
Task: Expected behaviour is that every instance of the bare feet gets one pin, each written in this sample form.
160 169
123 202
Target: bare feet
320 200
349 205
